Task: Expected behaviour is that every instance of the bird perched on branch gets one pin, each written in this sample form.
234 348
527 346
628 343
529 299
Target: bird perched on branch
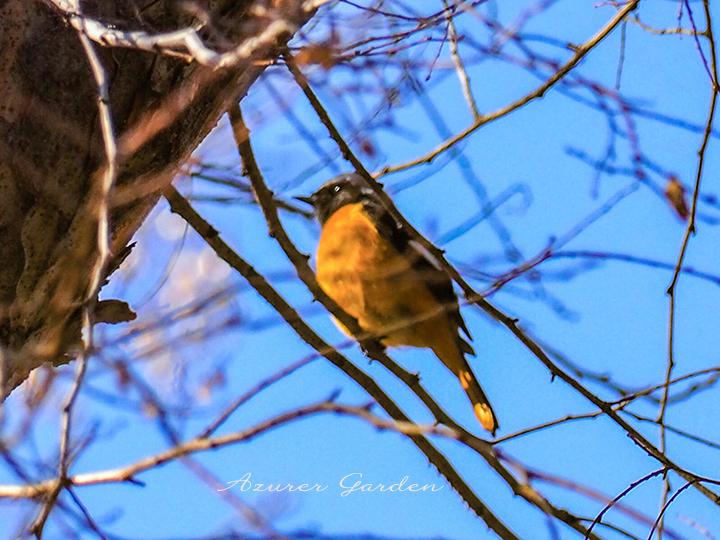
398 292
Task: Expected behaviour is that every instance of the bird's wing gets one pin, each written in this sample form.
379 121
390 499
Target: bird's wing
425 264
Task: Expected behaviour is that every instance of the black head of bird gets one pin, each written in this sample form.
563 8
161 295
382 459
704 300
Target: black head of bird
344 189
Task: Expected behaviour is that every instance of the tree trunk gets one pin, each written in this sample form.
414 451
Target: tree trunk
51 150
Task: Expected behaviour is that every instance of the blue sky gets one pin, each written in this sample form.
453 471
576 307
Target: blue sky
617 321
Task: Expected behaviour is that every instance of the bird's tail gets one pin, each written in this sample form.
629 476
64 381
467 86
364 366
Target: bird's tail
454 359
481 404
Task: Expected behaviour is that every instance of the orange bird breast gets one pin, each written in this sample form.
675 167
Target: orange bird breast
390 298
370 280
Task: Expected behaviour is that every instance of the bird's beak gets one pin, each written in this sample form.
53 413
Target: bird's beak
306 200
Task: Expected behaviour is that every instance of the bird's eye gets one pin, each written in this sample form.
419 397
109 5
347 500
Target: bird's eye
337 189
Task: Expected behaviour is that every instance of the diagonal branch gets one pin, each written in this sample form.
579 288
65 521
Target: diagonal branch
580 53
179 205
300 262
474 297
185 43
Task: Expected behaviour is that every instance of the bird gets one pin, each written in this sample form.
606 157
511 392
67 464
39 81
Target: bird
398 292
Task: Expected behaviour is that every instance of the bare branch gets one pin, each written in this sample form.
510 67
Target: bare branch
580 52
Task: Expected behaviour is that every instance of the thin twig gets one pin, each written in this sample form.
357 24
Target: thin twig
632 486
690 230
580 52
658 522
99 202
462 74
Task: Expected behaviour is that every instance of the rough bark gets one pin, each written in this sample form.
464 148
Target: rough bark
51 148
